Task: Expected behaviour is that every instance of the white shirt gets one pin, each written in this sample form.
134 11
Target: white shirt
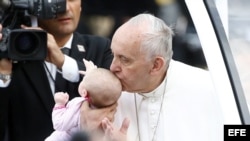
190 109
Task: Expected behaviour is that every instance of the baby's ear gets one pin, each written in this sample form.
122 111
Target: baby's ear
83 92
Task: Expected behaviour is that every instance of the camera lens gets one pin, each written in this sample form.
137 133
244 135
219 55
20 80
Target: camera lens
26 43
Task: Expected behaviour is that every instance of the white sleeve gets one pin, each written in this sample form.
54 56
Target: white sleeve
70 69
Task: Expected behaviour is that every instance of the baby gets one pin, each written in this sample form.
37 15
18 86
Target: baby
99 86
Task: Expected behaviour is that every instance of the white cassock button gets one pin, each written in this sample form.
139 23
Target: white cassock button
153 126
152 112
152 100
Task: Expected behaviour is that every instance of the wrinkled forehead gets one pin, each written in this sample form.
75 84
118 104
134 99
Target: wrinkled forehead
127 37
127 48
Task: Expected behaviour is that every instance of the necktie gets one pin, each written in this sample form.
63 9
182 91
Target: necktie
60 82
65 50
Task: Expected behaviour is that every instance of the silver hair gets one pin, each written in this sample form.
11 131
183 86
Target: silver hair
156 36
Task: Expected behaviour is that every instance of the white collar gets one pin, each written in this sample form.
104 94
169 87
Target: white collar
159 91
69 42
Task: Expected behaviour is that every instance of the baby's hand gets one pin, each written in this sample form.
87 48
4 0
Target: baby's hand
61 98
89 66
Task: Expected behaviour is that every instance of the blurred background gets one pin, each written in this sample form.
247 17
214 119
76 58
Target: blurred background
103 17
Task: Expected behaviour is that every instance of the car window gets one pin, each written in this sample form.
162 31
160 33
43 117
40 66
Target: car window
213 22
235 18
239 40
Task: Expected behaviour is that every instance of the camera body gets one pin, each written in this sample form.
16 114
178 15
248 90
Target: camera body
25 44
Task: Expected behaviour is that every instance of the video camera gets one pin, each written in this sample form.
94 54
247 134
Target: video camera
26 44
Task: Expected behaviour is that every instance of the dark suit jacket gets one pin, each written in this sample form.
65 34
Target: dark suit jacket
29 97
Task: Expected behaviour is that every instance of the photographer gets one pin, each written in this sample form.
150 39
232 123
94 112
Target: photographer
27 87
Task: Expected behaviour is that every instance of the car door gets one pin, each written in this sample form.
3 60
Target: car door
226 52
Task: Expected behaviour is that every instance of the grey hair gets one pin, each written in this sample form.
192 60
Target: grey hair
156 36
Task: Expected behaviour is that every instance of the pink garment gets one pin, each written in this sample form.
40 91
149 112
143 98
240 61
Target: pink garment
66 120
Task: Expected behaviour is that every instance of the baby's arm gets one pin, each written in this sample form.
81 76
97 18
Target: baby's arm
59 113
66 116
61 99
89 66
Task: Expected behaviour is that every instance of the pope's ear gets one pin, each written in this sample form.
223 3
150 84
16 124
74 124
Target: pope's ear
158 64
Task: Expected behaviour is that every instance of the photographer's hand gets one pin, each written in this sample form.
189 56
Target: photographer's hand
5 65
54 55
5 69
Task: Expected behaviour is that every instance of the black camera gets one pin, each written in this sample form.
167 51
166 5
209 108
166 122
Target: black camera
25 44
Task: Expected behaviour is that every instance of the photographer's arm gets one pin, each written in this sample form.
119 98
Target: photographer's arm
66 64
5 68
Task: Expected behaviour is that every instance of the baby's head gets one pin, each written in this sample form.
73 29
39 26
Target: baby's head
102 86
